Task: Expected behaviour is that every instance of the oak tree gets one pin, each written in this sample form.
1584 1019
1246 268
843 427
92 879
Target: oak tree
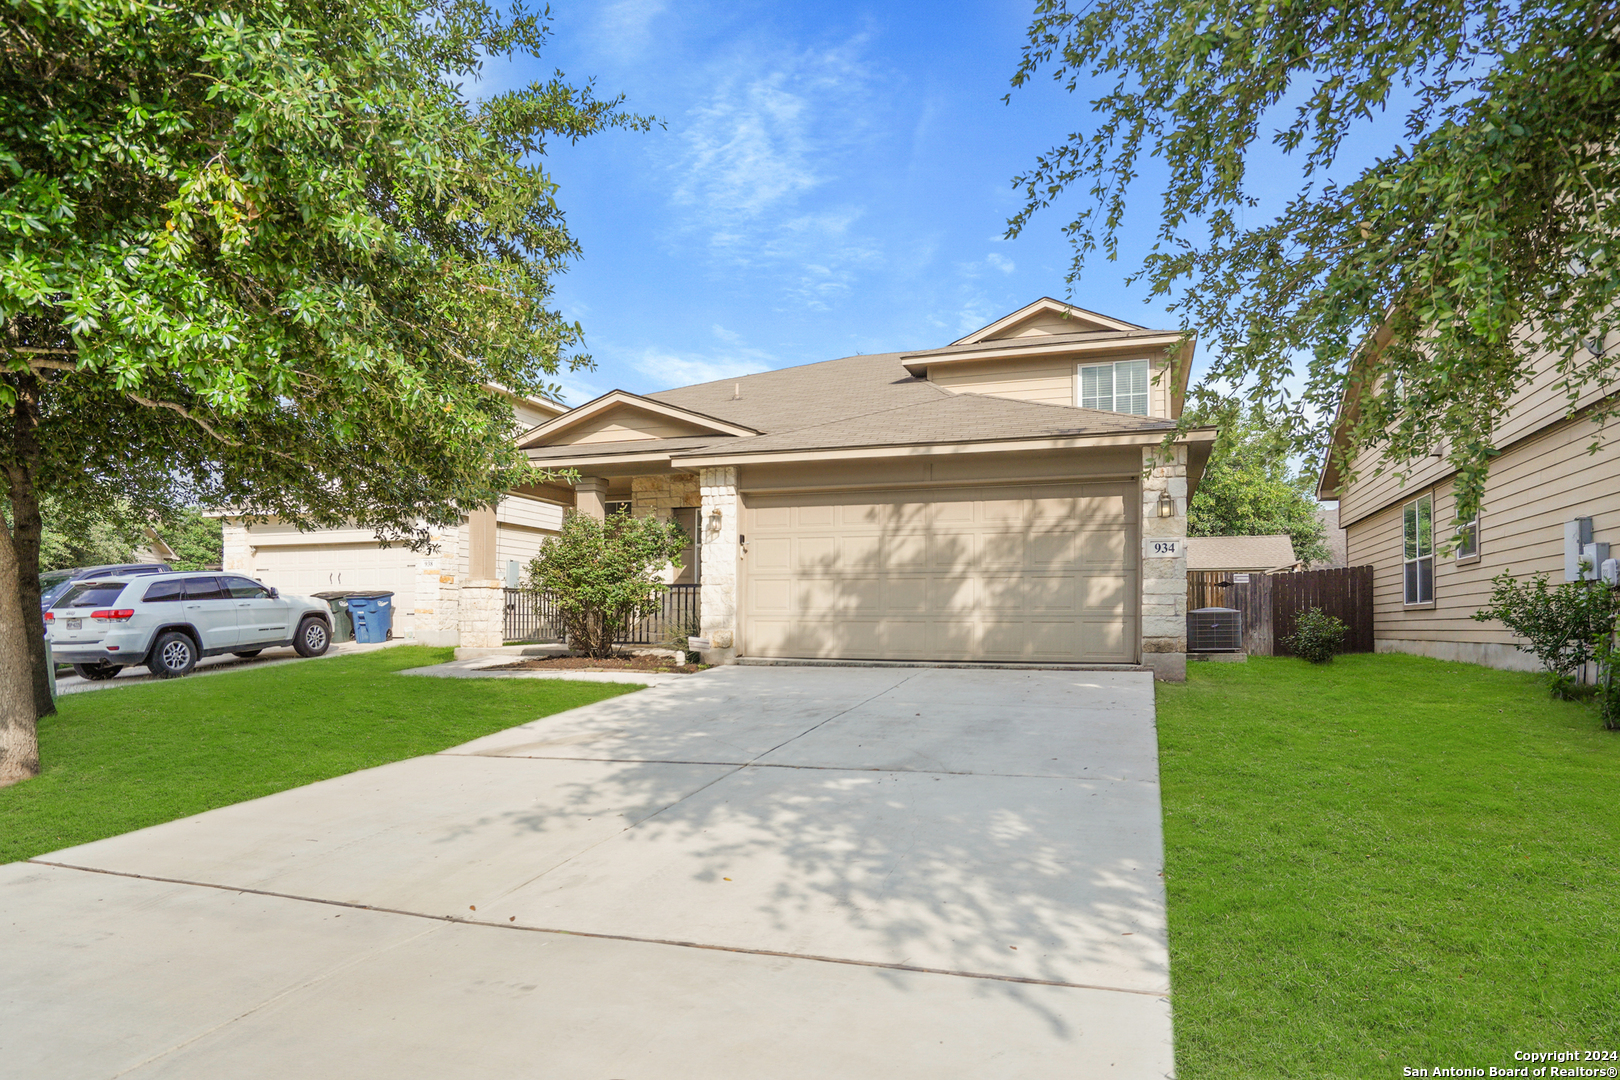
272 255
1489 213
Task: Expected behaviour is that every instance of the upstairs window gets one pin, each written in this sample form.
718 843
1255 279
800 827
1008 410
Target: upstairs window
1118 387
1418 554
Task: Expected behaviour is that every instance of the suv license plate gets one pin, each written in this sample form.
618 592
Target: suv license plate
73 624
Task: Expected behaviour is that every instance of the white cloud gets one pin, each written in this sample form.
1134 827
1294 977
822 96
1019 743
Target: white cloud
624 27
760 159
668 369
1000 262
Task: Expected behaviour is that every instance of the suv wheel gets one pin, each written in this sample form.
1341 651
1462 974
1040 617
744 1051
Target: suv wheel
173 654
313 638
96 672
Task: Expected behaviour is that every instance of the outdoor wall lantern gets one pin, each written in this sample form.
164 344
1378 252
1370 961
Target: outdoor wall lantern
1167 505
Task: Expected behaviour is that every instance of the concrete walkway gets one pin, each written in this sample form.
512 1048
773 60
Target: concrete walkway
752 872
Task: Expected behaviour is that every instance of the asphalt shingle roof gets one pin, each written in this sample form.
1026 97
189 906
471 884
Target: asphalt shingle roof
853 402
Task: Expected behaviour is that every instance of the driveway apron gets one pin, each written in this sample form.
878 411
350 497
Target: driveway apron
753 872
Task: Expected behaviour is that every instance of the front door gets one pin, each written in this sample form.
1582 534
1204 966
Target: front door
210 608
260 619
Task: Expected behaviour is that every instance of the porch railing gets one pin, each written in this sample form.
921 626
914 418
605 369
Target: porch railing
533 617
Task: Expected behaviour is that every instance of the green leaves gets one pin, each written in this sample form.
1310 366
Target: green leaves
603 574
272 256
1248 489
1482 247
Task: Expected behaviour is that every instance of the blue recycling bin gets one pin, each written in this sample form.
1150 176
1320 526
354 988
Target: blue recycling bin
373 615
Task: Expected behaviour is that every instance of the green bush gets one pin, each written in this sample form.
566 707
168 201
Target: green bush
603 575
1316 636
1565 626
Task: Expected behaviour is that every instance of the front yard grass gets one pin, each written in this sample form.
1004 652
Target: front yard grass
1386 862
125 758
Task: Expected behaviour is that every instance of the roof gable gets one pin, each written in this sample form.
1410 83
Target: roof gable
1043 318
620 416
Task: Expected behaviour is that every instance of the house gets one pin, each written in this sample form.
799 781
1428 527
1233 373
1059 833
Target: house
1004 498
479 551
1430 573
1333 538
1242 554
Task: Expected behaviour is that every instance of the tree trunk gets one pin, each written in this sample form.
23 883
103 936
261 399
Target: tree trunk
28 529
19 740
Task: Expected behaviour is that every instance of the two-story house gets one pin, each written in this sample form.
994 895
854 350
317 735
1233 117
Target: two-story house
1005 498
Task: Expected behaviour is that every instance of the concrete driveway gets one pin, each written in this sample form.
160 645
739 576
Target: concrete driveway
754 872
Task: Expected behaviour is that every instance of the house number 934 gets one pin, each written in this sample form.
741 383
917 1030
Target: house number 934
1164 549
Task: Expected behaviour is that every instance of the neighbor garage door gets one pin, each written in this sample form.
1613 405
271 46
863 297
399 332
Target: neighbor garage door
305 569
1029 572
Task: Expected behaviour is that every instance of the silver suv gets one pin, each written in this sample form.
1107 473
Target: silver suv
170 621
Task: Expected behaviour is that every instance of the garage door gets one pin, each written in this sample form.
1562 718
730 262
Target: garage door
1037 572
305 569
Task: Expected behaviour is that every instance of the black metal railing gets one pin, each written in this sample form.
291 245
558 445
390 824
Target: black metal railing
533 617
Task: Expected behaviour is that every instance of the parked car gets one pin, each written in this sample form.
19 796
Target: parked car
53 583
170 621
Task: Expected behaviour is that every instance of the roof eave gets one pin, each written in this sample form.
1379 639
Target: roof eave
703 459
918 363
531 438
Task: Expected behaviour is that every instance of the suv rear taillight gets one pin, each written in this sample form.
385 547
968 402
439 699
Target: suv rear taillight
113 615
50 616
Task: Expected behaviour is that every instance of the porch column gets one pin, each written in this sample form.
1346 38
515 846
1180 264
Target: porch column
590 497
1164 577
481 613
719 590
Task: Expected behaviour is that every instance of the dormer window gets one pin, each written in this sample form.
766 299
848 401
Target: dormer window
1121 386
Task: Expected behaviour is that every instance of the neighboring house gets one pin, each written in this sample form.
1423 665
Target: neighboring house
480 550
1542 479
998 499
1333 538
1242 554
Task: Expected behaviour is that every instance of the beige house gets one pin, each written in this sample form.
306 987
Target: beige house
1430 573
1001 499
432 604
1242 554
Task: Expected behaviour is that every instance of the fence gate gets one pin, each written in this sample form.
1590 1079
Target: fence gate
1271 603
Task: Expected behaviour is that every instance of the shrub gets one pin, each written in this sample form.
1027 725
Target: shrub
603 575
1565 626
1316 636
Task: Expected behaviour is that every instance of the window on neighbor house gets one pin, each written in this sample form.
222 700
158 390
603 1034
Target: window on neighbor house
611 508
1417 519
1118 387
1468 540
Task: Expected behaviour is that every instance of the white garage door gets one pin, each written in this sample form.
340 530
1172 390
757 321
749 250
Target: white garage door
305 569
1026 572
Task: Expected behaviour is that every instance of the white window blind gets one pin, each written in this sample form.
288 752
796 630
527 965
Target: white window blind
1121 386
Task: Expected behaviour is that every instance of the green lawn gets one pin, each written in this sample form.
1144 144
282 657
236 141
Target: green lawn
125 758
1386 862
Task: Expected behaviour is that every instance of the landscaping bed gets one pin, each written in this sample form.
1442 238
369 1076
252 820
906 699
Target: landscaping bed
1383 863
635 662
128 757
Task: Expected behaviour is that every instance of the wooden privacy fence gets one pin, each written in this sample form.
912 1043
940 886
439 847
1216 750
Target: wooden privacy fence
1271 603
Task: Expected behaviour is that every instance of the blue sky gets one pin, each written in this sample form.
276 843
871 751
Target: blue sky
834 178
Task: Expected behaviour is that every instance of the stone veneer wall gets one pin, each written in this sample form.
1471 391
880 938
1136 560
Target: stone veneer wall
660 496
482 614
1164 580
238 553
719 589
